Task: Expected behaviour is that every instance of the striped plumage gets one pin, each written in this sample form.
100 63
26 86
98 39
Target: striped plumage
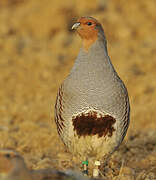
92 106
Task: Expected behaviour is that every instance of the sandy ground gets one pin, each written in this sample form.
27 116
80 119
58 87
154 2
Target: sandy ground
37 50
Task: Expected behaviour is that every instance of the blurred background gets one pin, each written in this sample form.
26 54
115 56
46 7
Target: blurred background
37 51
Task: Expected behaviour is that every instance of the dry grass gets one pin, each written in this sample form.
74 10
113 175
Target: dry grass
37 51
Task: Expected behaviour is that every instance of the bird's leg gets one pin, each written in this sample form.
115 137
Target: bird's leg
85 167
96 170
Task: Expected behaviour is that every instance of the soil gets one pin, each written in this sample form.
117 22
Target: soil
37 51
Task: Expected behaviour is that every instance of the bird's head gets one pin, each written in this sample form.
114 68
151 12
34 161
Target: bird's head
89 30
10 161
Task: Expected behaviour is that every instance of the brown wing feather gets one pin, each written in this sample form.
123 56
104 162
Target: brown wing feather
58 111
126 118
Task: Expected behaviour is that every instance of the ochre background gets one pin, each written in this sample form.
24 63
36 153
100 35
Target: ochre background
37 51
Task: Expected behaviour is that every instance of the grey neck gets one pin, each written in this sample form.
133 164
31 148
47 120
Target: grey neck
96 59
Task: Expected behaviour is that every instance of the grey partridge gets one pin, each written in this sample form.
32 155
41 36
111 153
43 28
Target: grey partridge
92 106
13 167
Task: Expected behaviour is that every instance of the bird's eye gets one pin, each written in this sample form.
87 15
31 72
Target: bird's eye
89 23
7 155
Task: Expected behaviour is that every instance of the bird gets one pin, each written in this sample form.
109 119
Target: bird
13 167
92 109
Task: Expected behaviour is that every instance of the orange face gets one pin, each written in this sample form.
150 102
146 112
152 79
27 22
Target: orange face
87 28
5 162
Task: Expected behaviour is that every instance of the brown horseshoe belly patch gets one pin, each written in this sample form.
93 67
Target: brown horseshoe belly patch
92 123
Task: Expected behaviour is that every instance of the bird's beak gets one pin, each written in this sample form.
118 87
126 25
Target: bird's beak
76 25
